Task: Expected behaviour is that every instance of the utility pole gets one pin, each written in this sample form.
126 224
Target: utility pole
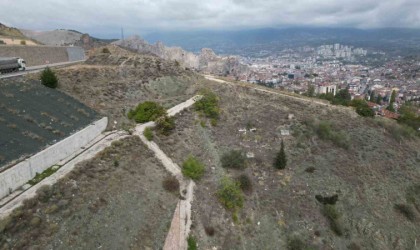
122 35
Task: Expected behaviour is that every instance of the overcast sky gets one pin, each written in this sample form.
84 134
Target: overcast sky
105 18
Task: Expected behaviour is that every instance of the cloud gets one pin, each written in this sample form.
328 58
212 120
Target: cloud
105 18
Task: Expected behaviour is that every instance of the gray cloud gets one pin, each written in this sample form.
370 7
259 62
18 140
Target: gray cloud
104 18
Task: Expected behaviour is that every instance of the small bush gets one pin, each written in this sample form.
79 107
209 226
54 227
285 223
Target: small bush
333 216
165 125
234 159
331 200
245 183
171 184
406 210
208 105
22 42
192 243
146 112
310 170
295 243
325 132
192 168
106 51
49 79
230 194
209 230
148 133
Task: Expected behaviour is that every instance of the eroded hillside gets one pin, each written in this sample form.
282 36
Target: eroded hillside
114 82
370 165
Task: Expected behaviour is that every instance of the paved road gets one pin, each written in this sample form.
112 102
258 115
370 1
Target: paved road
36 69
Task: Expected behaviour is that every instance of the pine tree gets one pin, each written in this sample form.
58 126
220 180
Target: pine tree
49 79
378 99
372 96
281 160
391 103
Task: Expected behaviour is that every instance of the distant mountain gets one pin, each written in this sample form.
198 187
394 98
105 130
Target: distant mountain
63 37
394 40
206 60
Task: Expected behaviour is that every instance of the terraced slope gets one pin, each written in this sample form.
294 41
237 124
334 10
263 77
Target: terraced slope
33 116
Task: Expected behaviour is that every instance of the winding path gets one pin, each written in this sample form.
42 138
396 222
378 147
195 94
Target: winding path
176 238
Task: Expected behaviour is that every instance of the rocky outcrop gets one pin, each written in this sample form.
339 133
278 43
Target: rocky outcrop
207 61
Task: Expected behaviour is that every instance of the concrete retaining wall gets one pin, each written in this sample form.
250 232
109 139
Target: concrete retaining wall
40 55
18 175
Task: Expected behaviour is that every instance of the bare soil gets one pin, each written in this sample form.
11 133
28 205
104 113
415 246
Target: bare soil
371 172
114 201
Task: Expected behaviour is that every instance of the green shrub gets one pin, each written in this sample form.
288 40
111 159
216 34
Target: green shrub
106 50
192 243
234 159
325 132
230 194
22 42
245 183
49 79
295 243
40 176
208 105
192 168
333 216
413 196
148 133
362 108
146 112
165 125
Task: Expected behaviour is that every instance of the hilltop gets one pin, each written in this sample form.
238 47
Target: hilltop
10 35
206 61
64 37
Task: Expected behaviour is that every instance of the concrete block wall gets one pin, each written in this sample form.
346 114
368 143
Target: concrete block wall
18 175
40 55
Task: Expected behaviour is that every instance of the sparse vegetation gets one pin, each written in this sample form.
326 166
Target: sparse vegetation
280 161
333 216
325 131
234 159
148 133
192 168
49 79
146 112
192 243
40 176
165 125
230 194
295 243
208 105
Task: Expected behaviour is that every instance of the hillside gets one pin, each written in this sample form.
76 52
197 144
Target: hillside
350 182
206 61
371 165
63 37
10 32
13 36
114 82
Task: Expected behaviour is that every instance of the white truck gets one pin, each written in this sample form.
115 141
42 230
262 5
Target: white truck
11 64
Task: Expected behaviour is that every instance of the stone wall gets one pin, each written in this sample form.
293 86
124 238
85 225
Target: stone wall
40 55
18 175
